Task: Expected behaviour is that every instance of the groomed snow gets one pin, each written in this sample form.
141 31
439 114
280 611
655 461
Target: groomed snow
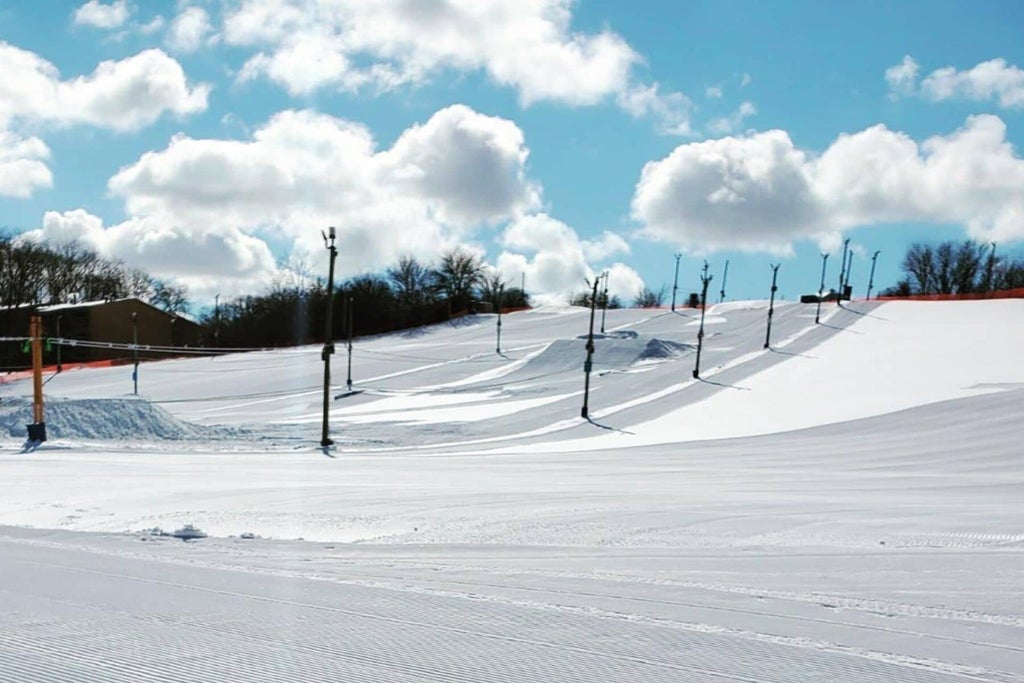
844 506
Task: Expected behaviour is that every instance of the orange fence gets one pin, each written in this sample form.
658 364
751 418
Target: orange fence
1001 294
52 369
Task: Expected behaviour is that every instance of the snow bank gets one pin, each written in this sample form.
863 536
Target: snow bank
109 418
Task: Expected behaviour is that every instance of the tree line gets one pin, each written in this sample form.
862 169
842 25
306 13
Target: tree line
409 294
37 274
952 267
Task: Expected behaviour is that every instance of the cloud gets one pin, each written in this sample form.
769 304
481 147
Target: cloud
470 166
624 282
308 44
190 30
208 261
902 77
670 111
609 244
731 123
130 94
994 80
713 92
22 165
457 169
529 46
556 261
120 95
759 192
100 15
299 173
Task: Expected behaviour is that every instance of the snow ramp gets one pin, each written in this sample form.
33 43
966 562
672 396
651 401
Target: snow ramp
100 419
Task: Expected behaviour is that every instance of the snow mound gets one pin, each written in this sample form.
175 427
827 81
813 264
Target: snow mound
661 349
610 352
107 418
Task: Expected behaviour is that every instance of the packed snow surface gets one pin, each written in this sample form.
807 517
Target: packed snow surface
845 505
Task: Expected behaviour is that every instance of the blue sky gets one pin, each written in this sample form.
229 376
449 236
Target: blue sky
209 142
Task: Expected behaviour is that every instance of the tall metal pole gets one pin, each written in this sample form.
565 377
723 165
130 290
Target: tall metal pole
328 350
849 267
37 430
60 366
705 280
501 290
135 353
990 269
771 306
589 363
604 302
821 287
725 274
871 278
675 282
216 317
348 323
842 267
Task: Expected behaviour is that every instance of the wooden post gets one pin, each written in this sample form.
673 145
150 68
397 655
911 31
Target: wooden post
36 332
37 430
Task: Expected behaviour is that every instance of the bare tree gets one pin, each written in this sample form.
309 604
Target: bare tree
457 275
171 298
411 281
919 264
648 298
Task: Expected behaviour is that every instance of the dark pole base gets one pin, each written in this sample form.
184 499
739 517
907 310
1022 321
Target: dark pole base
326 442
583 413
36 432
696 374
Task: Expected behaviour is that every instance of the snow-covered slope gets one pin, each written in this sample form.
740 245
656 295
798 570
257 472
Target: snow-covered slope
842 506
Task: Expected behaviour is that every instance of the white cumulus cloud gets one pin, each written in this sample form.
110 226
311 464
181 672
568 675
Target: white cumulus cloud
992 80
902 77
732 122
102 15
208 260
299 173
190 30
557 262
527 45
22 165
761 192
120 95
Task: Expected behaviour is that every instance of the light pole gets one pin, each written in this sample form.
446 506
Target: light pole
604 302
216 318
588 364
60 366
349 323
325 440
501 290
675 282
990 269
871 278
821 288
842 267
771 307
846 281
135 353
725 274
705 281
